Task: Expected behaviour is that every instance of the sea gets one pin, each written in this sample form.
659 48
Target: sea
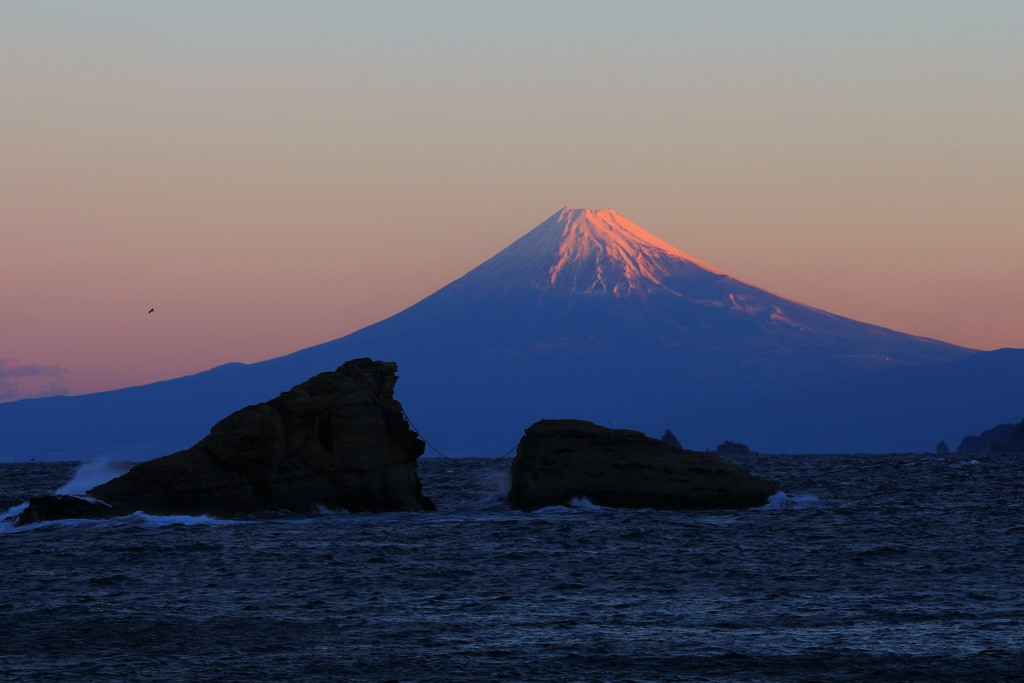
864 568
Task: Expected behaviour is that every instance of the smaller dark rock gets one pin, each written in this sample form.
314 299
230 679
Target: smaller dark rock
942 448
559 460
728 447
51 507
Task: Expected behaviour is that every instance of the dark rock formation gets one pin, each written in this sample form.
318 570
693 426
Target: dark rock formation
558 460
941 448
337 441
670 438
47 508
1012 444
983 443
728 447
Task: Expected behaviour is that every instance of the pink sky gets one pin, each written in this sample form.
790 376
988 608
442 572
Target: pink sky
276 179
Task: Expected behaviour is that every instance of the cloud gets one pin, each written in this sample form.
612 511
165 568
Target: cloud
12 367
29 380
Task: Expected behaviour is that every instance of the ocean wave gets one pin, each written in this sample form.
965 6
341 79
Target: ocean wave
324 511
966 463
8 526
583 503
785 501
7 520
186 520
94 473
578 504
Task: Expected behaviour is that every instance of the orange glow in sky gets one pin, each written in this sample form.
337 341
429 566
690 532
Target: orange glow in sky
272 179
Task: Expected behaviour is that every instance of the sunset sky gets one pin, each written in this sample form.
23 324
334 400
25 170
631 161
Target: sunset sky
272 175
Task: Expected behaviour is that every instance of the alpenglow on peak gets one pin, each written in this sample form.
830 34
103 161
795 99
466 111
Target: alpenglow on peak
591 251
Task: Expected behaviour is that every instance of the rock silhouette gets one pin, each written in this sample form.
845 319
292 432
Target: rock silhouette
729 447
989 441
1014 443
559 460
58 506
338 441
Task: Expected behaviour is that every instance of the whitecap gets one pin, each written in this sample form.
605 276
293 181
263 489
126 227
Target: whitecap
94 473
7 518
323 510
186 520
582 503
14 511
575 505
7 524
785 501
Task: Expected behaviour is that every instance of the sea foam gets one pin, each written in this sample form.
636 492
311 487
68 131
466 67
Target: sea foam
578 504
785 501
94 473
184 520
7 518
582 503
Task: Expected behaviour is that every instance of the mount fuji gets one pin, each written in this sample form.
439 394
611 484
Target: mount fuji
587 316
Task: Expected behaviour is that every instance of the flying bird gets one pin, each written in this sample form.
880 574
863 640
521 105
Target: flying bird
151 310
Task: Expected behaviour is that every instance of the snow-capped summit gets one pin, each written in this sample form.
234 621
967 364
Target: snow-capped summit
591 251
585 256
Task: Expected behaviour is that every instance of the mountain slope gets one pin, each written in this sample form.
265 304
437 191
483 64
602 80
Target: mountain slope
586 316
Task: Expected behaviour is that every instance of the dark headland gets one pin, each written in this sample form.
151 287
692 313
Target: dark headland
338 441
